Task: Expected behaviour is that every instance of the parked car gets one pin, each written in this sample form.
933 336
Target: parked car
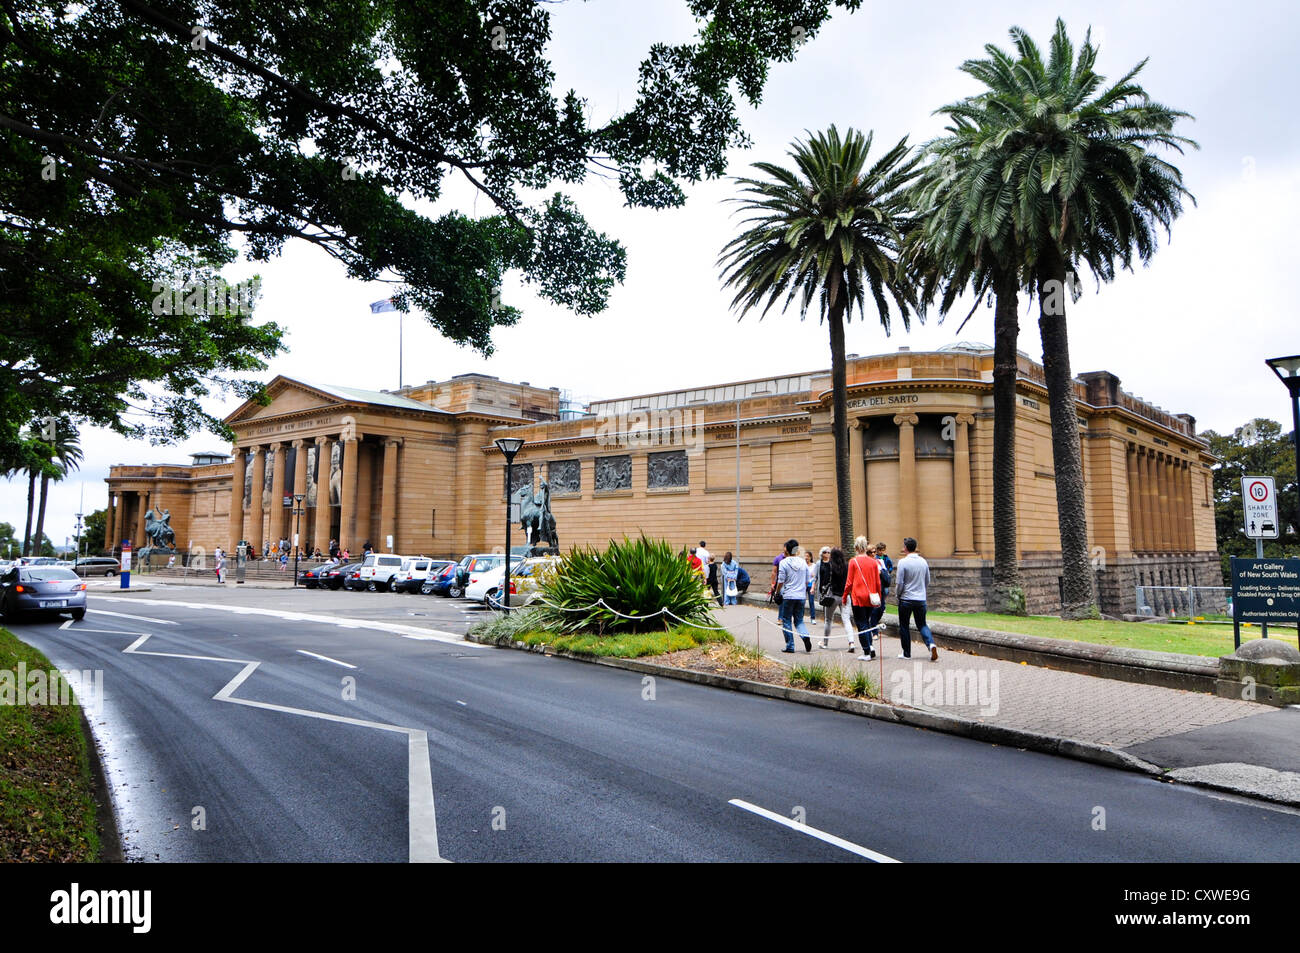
479 564
97 566
51 590
485 586
456 587
333 578
311 578
352 580
442 583
525 586
378 570
416 572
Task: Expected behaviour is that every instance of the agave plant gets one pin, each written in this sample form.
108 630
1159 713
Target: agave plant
625 588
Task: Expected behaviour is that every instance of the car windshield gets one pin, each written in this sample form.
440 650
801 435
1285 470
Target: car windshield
48 575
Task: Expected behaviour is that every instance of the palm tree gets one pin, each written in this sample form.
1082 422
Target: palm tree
24 458
829 230
950 255
64 456
1064 166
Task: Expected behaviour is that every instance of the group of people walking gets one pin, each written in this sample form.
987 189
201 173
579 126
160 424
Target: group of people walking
727 579
859 586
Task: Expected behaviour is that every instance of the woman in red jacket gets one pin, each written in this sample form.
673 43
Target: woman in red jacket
863 589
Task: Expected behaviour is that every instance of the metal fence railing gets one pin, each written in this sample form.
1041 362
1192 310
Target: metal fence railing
1185 602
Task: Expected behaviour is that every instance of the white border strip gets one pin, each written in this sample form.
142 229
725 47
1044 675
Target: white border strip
435 635
325 658
839 842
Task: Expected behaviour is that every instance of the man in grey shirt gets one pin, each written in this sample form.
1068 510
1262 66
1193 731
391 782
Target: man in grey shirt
792 580
913 577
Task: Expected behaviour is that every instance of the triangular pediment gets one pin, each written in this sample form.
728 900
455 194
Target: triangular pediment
288 396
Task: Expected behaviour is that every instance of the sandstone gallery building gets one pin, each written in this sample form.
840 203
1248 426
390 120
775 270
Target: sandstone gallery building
744 465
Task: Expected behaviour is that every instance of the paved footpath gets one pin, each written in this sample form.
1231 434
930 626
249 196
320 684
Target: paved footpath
1242 745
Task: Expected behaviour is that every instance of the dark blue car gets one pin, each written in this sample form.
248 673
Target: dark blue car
442 584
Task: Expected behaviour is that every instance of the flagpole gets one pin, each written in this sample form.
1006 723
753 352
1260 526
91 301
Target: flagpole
401 323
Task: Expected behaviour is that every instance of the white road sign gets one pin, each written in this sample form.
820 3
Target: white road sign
1259 502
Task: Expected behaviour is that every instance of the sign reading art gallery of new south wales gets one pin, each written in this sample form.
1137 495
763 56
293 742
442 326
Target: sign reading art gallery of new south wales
419 464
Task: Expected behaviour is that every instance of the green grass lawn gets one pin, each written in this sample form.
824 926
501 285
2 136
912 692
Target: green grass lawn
1198 639
47 812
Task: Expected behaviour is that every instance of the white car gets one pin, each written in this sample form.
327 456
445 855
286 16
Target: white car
485 586
378 570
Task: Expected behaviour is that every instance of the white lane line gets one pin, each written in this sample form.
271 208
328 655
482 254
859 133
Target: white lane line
138 618
423 831
325 658
435 635
839 842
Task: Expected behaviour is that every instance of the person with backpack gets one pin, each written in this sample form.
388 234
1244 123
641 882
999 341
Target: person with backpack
886 579
730 580
792 583
862 590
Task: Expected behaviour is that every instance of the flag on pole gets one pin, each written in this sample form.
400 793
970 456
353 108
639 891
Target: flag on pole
380 306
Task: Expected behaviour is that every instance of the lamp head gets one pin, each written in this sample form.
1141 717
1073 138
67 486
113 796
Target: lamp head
1287 369
509 446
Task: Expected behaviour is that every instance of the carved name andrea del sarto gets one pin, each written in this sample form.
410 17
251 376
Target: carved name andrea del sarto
886 401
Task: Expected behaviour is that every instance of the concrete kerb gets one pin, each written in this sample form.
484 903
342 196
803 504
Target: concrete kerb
913 717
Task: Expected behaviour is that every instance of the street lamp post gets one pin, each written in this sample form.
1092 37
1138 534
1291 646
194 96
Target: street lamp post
509 446
1288 371
298 510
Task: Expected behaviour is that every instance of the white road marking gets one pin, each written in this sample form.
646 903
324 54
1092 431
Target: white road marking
422 841
325 658
459 702
138 618
435 635
814 832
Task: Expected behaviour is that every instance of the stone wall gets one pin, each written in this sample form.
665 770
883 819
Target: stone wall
965 585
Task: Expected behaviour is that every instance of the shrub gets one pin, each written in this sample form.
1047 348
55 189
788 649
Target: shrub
623 589
506 627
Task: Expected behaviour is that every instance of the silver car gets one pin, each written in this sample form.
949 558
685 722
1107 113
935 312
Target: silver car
47 590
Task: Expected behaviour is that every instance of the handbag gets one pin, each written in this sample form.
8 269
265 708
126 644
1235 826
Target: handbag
846 616
731 587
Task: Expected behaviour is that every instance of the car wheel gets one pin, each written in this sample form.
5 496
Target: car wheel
110 573
455 592
426 589
372 587
78 614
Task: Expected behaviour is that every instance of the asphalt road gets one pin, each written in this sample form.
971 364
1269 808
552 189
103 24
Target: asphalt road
533 758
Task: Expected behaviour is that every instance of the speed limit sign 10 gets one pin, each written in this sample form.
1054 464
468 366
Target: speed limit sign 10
1259 506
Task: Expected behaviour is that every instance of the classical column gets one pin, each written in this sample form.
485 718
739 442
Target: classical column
1185 503
1134 504
963 508
858 475
348 507
142 502
275 525
321 538
236 531
1166 525
110 525
907 471
253 532
1176 502
299 490
388 497
1149 522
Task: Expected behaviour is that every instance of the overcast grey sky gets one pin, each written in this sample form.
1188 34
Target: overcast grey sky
1189 333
